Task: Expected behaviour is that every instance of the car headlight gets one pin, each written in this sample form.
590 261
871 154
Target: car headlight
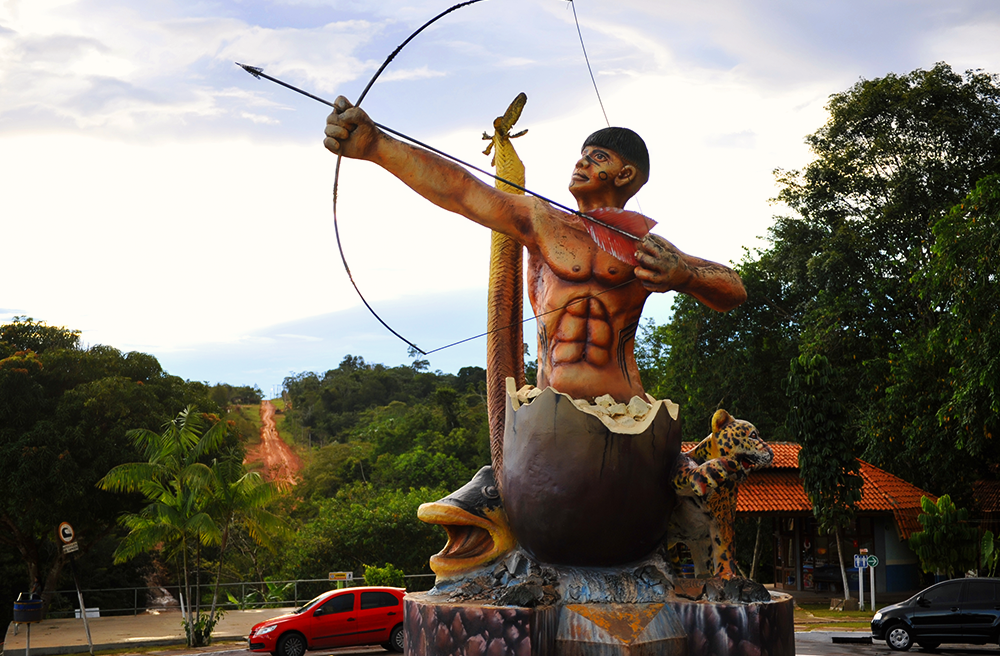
877 617
266 630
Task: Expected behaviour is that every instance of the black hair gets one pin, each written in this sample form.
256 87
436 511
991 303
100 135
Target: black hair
626 143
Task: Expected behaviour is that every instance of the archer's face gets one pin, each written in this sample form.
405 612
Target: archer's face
596 170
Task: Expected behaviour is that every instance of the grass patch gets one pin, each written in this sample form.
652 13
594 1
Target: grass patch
820 612
249 418
817 617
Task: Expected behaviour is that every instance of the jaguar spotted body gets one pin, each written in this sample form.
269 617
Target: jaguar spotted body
706 481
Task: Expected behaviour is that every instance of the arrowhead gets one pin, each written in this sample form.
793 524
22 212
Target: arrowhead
252 70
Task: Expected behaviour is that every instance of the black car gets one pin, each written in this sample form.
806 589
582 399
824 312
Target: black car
960 610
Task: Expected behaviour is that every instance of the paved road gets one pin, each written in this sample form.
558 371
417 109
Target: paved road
820 643
809 643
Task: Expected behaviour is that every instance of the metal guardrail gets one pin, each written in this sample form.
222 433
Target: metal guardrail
250 594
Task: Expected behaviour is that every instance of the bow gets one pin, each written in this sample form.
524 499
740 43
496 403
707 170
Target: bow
614 230
336 175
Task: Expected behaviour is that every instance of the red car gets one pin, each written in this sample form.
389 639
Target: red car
339 618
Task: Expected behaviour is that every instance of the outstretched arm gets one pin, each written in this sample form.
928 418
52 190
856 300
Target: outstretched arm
663 268
350 132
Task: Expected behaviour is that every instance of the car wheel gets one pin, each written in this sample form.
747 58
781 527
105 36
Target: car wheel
898 638
292 644
396 641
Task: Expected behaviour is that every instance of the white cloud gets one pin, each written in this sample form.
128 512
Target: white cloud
178 202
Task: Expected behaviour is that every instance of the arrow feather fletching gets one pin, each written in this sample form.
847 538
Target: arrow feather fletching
606 226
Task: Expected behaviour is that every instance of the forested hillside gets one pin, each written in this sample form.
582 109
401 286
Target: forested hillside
385 440
64 414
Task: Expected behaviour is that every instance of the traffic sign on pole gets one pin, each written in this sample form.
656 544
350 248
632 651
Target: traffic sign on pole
66 533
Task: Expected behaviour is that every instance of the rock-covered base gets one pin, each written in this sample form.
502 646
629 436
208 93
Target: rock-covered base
676 627
519 580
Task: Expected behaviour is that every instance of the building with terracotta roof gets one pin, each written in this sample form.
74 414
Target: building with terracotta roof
986 499
806 560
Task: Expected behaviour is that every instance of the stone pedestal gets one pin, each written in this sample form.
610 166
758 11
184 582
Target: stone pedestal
435 627
619 630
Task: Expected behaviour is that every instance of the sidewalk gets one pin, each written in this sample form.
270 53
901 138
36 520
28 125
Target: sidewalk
67 636
823 598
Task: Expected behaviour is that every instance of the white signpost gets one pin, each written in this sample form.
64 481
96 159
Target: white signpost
861 561
872 563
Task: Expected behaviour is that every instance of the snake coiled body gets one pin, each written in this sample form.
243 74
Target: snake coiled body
504 342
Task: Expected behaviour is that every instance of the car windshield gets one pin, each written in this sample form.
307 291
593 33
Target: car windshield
312 603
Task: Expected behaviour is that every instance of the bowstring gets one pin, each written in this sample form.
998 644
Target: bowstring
336 180
340 157
583 46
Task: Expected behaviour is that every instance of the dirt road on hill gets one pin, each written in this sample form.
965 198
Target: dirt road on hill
278 462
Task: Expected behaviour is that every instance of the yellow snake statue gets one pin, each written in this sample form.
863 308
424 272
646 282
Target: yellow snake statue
473 516
504 343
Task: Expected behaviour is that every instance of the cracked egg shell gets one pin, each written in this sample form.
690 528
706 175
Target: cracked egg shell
577 491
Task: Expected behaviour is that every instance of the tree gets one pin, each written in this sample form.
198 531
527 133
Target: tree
705 360
64 414
827 464
240 499
896 154
364 525
866 269
948 544
962 281
177 488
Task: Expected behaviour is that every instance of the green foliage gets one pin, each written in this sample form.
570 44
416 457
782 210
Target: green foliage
887 266
990 549
273 595
827 463
228 395
437 438
962 281
26 334
199 630
361 525
193 500
64 414
705 360
330 405
389 575
948 544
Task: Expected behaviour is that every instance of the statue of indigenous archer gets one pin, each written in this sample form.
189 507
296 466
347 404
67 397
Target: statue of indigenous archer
576 488
584 349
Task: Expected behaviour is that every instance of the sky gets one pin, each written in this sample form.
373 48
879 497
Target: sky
156 197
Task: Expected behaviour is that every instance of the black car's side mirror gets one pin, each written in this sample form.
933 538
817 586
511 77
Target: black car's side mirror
923 602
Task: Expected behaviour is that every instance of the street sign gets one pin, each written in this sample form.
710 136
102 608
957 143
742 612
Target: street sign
872 561
341 576
71 547
863 552
66 533
861 561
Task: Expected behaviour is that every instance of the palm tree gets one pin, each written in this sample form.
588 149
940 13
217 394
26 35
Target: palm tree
178 489
240 499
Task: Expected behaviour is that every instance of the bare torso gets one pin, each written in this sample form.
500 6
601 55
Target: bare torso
589 304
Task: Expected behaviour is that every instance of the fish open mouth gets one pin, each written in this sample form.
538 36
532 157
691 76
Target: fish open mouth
473 541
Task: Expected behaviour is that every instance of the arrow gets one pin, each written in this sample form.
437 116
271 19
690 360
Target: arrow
259 73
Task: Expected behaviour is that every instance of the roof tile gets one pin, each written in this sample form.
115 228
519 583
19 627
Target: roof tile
779 489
